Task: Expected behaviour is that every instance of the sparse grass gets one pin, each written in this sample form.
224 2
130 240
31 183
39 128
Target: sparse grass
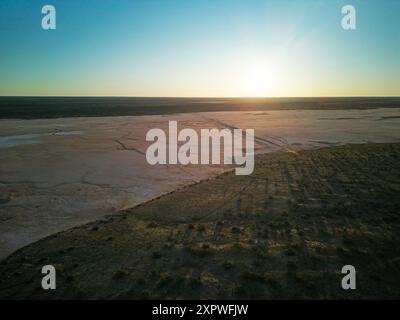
227 264
199 251
322 209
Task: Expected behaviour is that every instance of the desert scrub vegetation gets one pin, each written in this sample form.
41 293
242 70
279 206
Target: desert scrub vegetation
309 214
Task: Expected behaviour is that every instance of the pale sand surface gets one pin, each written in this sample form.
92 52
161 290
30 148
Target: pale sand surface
59 173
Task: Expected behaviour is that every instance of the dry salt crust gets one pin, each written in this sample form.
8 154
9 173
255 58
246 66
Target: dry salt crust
59 173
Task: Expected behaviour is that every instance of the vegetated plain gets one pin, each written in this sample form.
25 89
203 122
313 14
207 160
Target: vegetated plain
59 107
283 232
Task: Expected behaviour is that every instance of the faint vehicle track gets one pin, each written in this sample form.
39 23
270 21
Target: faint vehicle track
279 142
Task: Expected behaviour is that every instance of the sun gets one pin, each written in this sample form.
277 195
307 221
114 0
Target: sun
259 80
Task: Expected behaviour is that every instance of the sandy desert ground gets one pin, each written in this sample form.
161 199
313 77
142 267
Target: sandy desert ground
60 173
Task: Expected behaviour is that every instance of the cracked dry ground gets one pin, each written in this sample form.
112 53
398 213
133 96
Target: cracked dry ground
283 232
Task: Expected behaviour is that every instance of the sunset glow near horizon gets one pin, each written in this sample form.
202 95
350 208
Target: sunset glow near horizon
218 48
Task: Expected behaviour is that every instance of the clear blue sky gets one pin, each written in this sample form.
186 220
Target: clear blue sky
200 48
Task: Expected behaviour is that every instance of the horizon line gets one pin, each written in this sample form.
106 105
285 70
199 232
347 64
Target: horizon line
196 97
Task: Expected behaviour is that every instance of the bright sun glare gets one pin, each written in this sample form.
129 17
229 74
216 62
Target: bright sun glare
259 80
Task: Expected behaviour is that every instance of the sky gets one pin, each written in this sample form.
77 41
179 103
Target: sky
200 48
